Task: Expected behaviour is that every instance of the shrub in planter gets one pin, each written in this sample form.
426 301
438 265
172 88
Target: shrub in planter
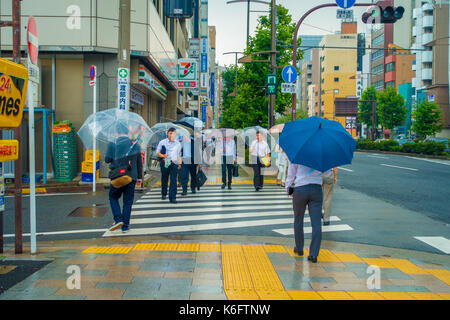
395 148
386 145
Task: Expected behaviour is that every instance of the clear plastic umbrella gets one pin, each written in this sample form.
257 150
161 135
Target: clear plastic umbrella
159 132
249 134
117 132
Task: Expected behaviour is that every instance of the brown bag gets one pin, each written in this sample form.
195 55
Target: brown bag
121 181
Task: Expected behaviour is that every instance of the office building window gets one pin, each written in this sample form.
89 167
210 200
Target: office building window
390 67
377 55
378 40
336 68
390 84
378 69
379 85
336 79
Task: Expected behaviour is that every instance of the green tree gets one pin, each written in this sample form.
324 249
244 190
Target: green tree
250 106
300 114
365 108
427 119
391 110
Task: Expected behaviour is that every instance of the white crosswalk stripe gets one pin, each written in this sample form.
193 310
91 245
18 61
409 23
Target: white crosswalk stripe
213 208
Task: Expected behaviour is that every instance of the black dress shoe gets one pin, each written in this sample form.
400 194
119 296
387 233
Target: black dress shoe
326 223
312 259
184 193
223 186
300 253
163 197
193 191
229 187
173 201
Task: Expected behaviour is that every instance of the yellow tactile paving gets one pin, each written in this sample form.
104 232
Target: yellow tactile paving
188 247
425 296
381 263
236 275
444 295
144 246
334 295
112 250
406 266
327 256
264 276
304 295
273 295
241 295
365 295
290 250
396 296
443 275
166 247
212 247
274 248
348 257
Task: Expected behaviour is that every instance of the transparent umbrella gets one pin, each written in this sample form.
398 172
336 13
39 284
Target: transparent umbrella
117 132
159 132
249 134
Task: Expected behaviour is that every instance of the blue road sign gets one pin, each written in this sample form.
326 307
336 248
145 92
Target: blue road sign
204 62
345 4
212 89
289 74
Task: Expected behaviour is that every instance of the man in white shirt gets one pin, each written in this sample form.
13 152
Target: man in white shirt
307 191
258 149
228 160
170 150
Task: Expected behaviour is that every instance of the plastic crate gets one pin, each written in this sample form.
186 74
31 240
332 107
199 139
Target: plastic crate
89 155
26 178
88 177
87 166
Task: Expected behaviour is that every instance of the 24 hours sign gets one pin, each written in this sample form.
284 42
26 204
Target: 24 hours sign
13 91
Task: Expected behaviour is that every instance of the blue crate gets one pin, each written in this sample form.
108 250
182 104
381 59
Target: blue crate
26 178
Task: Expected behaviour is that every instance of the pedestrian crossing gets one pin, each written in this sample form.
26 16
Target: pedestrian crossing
240 211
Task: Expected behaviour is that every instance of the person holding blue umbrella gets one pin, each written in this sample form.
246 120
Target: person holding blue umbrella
314 146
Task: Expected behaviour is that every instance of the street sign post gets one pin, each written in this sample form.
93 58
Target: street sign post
271 83
93 84
344 14
288 87
289 74
345 4
123 86
33 51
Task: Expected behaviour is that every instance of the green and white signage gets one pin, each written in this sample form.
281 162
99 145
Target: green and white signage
123 88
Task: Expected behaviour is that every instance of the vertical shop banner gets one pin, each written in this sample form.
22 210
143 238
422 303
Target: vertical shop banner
123 86
204 106
204 62
211 89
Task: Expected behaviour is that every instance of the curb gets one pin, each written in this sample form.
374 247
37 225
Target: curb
415 155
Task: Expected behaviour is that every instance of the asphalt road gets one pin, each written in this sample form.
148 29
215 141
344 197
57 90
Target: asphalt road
418 184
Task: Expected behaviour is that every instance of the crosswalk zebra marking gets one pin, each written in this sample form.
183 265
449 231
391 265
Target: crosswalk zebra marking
286 208
150 205
336 227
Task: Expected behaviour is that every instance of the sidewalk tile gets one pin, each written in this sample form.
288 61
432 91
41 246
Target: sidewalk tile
425 296
348 257
207 296
365 295
406 266
334 295
445 296
207 282
207 289
112 285
396 296
379 262
392 288
443 275
171 274
273 295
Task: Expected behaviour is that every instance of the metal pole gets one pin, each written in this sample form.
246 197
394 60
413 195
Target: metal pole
32 157
272 63
18 237
94 149
235 75
294 41
248 20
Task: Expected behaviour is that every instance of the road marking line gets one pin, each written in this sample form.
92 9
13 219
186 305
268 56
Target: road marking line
200 227
445 162
182 204
58 232
223 194
376 156
218 217
338 227
54 194
345 169
388 165
440 243
199 199
218 209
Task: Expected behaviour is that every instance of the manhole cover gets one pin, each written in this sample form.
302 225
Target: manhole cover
89 212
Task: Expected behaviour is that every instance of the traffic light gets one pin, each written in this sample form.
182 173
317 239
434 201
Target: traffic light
271 84
382 12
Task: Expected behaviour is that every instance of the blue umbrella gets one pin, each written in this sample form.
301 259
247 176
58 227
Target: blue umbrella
317 143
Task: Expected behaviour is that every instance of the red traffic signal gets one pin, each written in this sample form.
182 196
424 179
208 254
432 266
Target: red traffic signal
382 12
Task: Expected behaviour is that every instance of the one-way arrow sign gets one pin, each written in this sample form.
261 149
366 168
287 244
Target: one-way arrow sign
289 74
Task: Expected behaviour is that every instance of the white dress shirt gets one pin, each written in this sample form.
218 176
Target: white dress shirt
229 149
299 175
173 149
260 149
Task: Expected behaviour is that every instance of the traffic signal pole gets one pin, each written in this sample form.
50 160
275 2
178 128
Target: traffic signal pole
272 64
295 47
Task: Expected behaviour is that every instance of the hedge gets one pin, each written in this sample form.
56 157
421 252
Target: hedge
428 148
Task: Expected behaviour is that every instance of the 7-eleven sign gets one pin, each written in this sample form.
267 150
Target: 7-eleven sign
187 70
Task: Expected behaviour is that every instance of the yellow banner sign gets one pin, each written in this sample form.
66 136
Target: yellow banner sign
13 90
9 150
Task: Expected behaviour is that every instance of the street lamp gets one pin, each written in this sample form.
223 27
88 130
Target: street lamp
235 77
248 12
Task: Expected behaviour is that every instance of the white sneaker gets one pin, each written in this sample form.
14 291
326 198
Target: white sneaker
116 226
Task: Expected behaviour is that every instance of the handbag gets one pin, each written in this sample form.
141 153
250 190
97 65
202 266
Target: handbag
265 161
121 176
201 178
290 190
235 170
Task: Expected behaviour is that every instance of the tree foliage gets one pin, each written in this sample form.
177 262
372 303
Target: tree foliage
427 119
391 110
250 106
365 108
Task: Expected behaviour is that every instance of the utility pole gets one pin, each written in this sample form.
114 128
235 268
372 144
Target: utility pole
248 21
236 69
273 63
124 34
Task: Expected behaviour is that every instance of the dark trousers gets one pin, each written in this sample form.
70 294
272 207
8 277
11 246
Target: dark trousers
186 171
172 173
258 178
309 195
128 198
227 167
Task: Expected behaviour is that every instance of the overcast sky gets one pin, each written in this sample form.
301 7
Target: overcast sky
231 22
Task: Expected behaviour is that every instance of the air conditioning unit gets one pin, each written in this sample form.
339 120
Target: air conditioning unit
179 9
